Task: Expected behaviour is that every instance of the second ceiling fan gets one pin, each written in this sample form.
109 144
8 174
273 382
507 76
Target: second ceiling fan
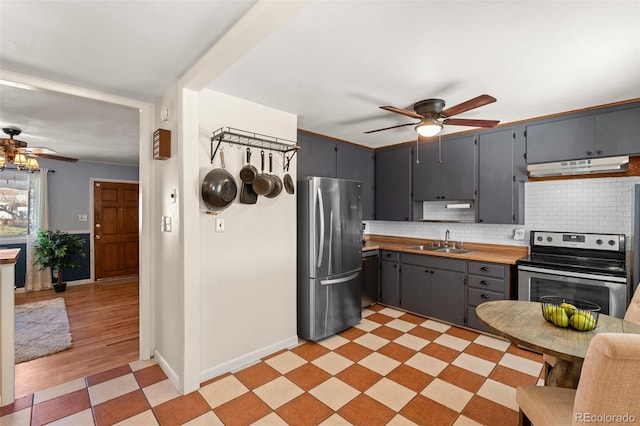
433 116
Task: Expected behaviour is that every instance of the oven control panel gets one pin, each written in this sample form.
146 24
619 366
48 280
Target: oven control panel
608 242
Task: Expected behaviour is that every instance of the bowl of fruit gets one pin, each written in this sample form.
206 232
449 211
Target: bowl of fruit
566 312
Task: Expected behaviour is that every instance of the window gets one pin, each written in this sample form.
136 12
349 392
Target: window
14 203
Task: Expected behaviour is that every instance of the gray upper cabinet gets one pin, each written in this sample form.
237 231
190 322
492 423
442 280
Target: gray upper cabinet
317 156
618 132
586 135
501 176
357 163
393 183
446 169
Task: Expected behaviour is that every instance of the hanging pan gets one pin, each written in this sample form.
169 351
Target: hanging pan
287 180
277 183
263 184
219 188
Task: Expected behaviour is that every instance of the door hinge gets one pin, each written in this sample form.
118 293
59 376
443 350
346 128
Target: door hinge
475 141
514 217
525 133
525 155
514 178
514 135
475 192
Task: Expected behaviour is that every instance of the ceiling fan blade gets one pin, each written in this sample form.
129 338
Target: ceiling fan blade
468 105
402 111
392 127
470 122
56 157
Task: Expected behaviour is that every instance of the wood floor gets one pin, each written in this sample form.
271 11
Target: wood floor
104 327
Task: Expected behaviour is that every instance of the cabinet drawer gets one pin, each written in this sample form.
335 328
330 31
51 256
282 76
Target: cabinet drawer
392 256
477 296
486 283
486 269
433 262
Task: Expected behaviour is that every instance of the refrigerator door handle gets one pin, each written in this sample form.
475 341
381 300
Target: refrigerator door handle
340 280
321 240
329 259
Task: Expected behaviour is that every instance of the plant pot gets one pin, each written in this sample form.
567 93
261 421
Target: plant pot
60 288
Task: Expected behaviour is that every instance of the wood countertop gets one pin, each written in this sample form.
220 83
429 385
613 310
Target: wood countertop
9 256
495 253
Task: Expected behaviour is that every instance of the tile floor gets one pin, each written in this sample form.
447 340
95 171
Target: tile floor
393 368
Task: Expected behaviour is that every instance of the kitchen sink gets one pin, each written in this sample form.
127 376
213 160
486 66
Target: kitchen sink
424 248
453 250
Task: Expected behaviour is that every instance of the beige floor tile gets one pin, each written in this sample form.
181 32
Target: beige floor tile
278 392
113 388
371 341
379 363
500 393
334 393
59 390
160 392
207 419
525 365
465 421
286 362
146 418
401 325
399 420
140 364
332 363
366 312
271 419
427 364
335 420
391 394
367 325
452 342
447 394
19 418
83 418
223 390
492 342
333 342
474 364
435 325
390 312
410 341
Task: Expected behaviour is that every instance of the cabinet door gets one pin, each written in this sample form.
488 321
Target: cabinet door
495 177
414 289
459 168
389 283
357 163
446 296
617 133
427 173
393 183
560 140
317 156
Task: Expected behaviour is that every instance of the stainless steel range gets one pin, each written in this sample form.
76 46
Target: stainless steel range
577 265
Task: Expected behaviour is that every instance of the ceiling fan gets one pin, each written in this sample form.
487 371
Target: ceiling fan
433 116
14 151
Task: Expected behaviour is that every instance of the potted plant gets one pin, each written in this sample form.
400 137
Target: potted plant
57 250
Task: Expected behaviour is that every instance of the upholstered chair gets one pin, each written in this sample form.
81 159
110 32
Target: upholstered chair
607 392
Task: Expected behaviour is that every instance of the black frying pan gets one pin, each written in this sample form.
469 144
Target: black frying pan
219 188
263 184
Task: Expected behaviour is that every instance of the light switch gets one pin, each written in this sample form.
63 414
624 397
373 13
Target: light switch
82 217
219 224
166 223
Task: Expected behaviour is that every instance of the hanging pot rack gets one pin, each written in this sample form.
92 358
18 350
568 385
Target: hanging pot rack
234 136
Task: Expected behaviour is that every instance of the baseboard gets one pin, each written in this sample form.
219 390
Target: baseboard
171 374
247 359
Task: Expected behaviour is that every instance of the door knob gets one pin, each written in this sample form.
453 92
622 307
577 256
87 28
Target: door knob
98 237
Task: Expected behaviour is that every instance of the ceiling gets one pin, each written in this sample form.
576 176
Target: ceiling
332 64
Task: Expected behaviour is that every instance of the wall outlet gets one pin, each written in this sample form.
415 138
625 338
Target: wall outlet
219 224
518 234
82 217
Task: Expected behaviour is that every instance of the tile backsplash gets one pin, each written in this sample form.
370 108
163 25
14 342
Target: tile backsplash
577 205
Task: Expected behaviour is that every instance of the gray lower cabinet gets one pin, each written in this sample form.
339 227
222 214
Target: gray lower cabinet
485 282
389 278
502 171
393 183
414 289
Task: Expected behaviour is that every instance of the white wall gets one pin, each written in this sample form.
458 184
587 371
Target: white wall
248 272
578 205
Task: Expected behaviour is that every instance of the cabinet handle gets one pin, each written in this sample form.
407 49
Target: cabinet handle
589 152
484 296
599 152
395 266
431 272
484 268
484 282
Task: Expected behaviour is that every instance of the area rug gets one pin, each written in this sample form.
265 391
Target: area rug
42 328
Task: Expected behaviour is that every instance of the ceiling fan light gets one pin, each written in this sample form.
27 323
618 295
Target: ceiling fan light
32 164
20 160
429 128
3 161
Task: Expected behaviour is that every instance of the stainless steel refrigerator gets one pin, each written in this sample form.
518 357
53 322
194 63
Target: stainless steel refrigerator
329 256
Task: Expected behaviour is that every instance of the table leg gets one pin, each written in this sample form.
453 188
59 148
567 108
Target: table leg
564 374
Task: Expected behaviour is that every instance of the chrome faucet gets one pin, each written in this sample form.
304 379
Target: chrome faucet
446 238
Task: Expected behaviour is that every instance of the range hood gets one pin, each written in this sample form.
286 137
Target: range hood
579 167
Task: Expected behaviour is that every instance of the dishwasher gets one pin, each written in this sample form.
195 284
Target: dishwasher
370 268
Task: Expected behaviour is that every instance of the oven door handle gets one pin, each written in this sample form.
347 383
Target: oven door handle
573 274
